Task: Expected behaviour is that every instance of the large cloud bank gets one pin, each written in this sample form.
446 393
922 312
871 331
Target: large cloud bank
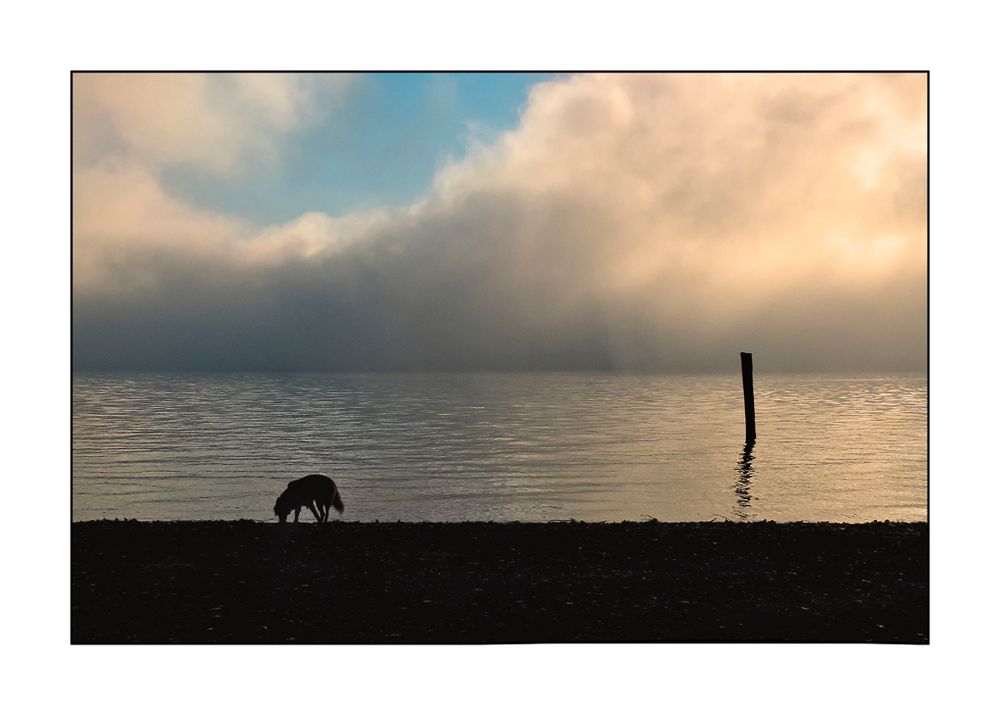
630 222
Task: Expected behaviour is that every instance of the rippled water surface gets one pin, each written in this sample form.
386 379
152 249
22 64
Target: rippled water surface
533 447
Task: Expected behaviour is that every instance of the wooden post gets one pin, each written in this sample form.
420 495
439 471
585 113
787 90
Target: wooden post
746 361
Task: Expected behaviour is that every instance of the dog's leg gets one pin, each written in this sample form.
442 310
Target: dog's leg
297 510
315 513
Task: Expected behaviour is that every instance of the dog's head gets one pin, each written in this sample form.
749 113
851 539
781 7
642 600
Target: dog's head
281 509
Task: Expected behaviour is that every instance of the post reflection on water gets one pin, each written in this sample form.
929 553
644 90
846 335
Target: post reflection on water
744 473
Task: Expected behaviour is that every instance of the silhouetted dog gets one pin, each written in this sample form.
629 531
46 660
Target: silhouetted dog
315 488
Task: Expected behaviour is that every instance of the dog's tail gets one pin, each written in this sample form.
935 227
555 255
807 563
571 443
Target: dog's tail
337 503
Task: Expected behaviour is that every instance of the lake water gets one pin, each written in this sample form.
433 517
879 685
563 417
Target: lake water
528 447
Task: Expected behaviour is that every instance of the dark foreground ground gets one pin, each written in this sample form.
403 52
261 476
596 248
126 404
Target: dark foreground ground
244 582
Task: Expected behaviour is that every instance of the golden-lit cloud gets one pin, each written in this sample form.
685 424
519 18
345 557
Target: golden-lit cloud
629 221
214 122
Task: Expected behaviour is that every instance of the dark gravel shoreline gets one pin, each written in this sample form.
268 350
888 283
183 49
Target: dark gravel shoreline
344 582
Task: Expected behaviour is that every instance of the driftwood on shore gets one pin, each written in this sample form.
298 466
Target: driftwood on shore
245 582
